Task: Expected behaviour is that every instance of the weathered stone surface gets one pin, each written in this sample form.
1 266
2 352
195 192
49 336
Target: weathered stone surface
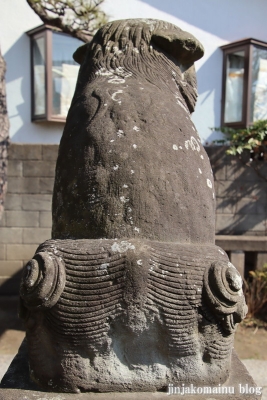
131 163
131 294
137 308
16 386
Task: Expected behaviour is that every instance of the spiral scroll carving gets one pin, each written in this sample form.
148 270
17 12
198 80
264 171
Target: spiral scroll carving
43 281
223 294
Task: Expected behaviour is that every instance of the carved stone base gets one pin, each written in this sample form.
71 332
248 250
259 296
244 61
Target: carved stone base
16 385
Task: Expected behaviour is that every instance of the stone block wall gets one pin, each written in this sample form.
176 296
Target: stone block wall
26 221
241 193
241 203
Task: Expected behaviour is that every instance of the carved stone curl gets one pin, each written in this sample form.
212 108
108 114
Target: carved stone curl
224 296
43 281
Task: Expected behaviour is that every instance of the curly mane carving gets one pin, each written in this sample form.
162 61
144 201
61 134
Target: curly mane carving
129 144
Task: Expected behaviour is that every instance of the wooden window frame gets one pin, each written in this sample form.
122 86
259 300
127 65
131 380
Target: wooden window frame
245 45
45 31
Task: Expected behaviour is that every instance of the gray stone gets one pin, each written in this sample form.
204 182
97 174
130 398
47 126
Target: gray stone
50 152
41 168
45 219
20 251
38 202
10 235
130 294
23 185
16 386
22 218
25 152
9 267
13 201
36 235
46 185
15 168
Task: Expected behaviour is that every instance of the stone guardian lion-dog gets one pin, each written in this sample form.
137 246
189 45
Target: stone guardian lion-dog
131 293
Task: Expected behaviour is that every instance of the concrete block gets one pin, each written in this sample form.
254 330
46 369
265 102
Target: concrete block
3 219
23 185
2 251
261 259
9 268
13 201
237 170
46 185
36 235
15 168
224 224
38 168
251 205
249 223
25 151
237 258
50 152
37 202
20 251
22 218
45 219
10 235
226 205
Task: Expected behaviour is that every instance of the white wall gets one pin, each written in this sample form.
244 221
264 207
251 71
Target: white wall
213 22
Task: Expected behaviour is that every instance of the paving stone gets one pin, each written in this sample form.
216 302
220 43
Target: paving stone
22 218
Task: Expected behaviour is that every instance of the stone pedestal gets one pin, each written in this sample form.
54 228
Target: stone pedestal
16 385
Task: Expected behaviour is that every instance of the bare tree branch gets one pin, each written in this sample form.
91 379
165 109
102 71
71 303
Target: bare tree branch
78 18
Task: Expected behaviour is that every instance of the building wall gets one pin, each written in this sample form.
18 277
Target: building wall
213 22
241 203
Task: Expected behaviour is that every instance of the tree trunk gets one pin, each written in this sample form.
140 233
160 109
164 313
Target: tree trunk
4 135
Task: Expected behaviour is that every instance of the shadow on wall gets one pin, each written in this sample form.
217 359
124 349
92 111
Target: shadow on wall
241 193
9 305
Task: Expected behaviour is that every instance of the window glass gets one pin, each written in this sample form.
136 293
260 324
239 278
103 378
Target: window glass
39 75
234 86
259 84
64 72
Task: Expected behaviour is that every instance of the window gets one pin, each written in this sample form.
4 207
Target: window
53 73
244 91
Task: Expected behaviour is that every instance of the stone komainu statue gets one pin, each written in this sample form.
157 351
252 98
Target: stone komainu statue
131 292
